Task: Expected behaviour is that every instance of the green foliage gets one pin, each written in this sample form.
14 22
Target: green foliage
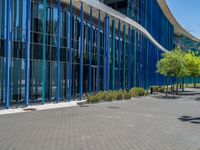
127 95
192 63
146 92
93 98
132 92
173 64
154 88
157 89
161 89
110 96
115 95
102 96
119 95
137 91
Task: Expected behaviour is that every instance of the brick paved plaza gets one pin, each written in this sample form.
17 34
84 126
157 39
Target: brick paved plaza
149 123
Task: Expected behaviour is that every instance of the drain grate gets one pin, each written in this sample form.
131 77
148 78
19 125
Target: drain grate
30 109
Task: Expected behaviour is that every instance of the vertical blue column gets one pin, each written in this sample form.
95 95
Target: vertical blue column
70 51
135 58
44 53
27 68
8 55
124 59
90 52
147 69
58 56
129 57
105 55
98 51
81 51
108 52
119 55
113 54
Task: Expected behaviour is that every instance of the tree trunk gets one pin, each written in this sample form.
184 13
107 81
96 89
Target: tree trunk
195 85
166 88
176 88
173 88
183 84
166 92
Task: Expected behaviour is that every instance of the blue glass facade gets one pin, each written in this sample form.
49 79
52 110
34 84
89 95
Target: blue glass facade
56 52
148 14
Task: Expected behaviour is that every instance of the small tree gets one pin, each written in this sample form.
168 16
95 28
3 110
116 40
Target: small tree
173 65
192 63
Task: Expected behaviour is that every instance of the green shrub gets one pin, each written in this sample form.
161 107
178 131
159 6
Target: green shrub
89 99
140 92
119 95
146 92
109 96
93 98
161 89
137 91
114 94
127 95
132 92
102 96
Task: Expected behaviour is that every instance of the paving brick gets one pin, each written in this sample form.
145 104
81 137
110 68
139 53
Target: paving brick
148 123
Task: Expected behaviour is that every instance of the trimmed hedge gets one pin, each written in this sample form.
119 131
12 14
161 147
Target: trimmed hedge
127 95
137 91
115 95
108 96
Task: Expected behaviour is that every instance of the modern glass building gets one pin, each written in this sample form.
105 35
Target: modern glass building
56 50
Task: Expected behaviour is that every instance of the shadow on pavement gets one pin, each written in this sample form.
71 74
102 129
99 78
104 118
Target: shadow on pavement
197 99
166 97
189 93
190 119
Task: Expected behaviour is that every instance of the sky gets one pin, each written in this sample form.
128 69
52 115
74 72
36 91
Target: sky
187 13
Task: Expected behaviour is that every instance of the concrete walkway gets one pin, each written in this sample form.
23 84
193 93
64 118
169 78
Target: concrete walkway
38 107
148 123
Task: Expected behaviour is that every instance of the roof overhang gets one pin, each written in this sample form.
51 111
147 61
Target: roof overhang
105 10
178 29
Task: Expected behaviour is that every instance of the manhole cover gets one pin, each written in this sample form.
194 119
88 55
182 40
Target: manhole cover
30 109
113 107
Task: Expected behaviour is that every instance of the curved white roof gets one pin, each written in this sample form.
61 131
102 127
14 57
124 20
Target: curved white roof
178 29
117 15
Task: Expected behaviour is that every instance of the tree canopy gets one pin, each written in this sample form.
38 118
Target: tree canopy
179 64
192 63
173 64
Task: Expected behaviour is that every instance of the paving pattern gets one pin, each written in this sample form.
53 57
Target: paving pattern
149 123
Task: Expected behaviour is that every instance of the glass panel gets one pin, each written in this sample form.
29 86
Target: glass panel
17 80
2 18
85 78
36 81
75 79
63 81
2 81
